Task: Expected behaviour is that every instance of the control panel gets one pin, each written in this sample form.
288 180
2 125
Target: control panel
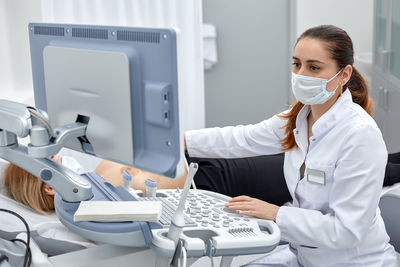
210 228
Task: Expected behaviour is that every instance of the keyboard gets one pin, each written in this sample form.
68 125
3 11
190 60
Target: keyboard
210 228
168 210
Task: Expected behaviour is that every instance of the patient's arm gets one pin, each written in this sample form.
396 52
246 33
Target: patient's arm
112 172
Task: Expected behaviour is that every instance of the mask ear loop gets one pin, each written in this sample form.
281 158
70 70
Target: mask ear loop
334 76
339 84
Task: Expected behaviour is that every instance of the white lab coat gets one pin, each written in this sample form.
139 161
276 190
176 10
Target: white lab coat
336 224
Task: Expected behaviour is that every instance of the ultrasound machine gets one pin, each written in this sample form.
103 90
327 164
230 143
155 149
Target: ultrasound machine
113 92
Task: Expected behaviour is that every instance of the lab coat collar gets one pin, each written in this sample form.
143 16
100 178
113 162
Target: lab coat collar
302 116
327 120
300 132
330 118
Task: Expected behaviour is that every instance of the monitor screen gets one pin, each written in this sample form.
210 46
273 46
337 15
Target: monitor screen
121 81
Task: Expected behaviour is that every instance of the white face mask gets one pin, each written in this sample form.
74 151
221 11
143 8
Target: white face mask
310 90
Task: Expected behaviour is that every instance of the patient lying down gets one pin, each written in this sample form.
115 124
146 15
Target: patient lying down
39 196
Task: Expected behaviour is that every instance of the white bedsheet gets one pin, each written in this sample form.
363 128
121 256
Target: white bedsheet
47 226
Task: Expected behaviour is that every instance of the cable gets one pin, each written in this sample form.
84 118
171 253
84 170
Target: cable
43 119
28 233
184 256
26 245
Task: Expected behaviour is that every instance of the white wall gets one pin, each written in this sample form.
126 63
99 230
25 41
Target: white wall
15 64
354 16
253 65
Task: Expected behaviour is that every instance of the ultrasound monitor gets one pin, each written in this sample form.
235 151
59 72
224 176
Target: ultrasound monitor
121 81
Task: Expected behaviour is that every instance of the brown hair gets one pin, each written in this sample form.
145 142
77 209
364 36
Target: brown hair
27 189
340 48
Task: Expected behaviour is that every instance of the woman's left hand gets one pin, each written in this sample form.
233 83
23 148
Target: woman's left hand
253 207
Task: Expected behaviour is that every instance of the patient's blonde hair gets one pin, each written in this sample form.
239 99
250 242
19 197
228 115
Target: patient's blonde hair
27 189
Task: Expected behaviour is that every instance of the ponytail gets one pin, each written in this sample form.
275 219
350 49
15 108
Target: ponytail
359 91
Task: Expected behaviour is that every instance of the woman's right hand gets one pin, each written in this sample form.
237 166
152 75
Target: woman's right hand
253 207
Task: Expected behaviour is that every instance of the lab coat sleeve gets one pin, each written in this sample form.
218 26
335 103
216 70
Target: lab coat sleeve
354 196
239 141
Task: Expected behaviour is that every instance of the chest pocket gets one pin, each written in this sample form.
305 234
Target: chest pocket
313 190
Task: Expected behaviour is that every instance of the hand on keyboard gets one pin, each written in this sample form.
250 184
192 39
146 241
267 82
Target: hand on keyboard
253 207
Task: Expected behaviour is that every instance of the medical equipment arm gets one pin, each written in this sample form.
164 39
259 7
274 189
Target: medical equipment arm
17 120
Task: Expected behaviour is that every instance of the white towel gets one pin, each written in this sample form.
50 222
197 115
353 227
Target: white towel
118 211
